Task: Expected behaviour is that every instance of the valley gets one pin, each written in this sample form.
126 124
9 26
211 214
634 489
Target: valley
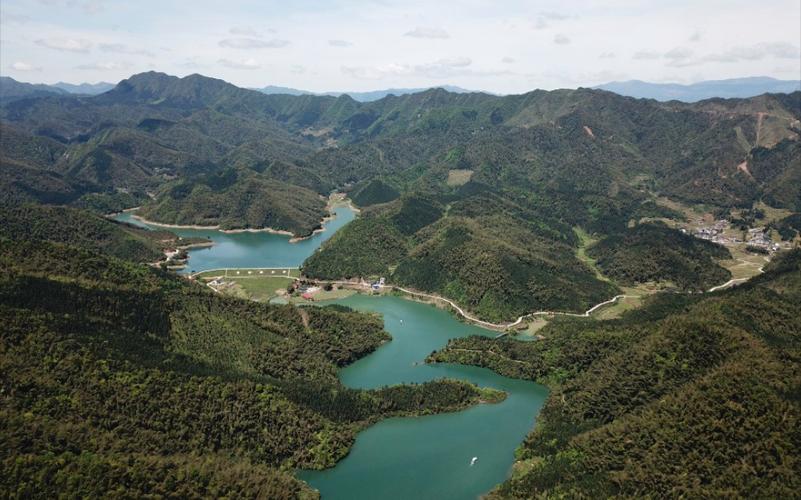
434 295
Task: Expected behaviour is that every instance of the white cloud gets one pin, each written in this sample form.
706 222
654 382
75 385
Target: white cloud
540 23
244 31
252 43
646 55
561 39
508 60
423 32
779 50
681 57
191 63
120 48
744 39
23 66
678 54
439 69
66 44
339 43
104 66
554 16
544 19
249 63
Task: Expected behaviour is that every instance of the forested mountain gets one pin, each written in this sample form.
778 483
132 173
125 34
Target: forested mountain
655 253
120 379
160 125
238 199
127 374
79 228
12 90
489 254
692 395
520 169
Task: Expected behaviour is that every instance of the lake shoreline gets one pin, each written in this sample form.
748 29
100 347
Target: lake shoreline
506 412
332 204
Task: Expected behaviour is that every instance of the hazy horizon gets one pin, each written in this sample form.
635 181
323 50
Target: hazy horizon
445 85
346 46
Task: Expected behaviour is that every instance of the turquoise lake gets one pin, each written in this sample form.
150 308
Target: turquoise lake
400 458
250 249
427 457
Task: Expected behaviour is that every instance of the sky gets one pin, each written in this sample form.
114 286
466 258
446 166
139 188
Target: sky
345 45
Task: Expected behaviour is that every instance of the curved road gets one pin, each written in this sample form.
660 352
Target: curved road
498 326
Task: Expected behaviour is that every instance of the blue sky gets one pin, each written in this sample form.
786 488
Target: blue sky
322 45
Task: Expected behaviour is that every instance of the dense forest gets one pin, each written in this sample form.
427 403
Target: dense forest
500 179
130 380
238 199
488 254
655 253
691 395
154 127
79 228
122 379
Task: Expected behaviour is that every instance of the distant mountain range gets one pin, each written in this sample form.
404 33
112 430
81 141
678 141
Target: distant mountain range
731 88
11 90
369 96
85 88
735 87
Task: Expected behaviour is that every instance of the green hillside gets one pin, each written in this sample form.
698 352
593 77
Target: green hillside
154 126
691 396
530 167
485 253
80 228
123 379
127 380
237 199
659 254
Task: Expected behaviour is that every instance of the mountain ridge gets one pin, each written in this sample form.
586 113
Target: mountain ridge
365 96
453 171
707 89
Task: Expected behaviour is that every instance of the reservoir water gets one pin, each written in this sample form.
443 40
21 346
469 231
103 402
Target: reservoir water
427 457
420 458
250 249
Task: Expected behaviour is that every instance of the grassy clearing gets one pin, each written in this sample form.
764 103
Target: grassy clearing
261 272
772 214
259 285
262 289
459 177
322 295
534 325
619 307
586 241
744 264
